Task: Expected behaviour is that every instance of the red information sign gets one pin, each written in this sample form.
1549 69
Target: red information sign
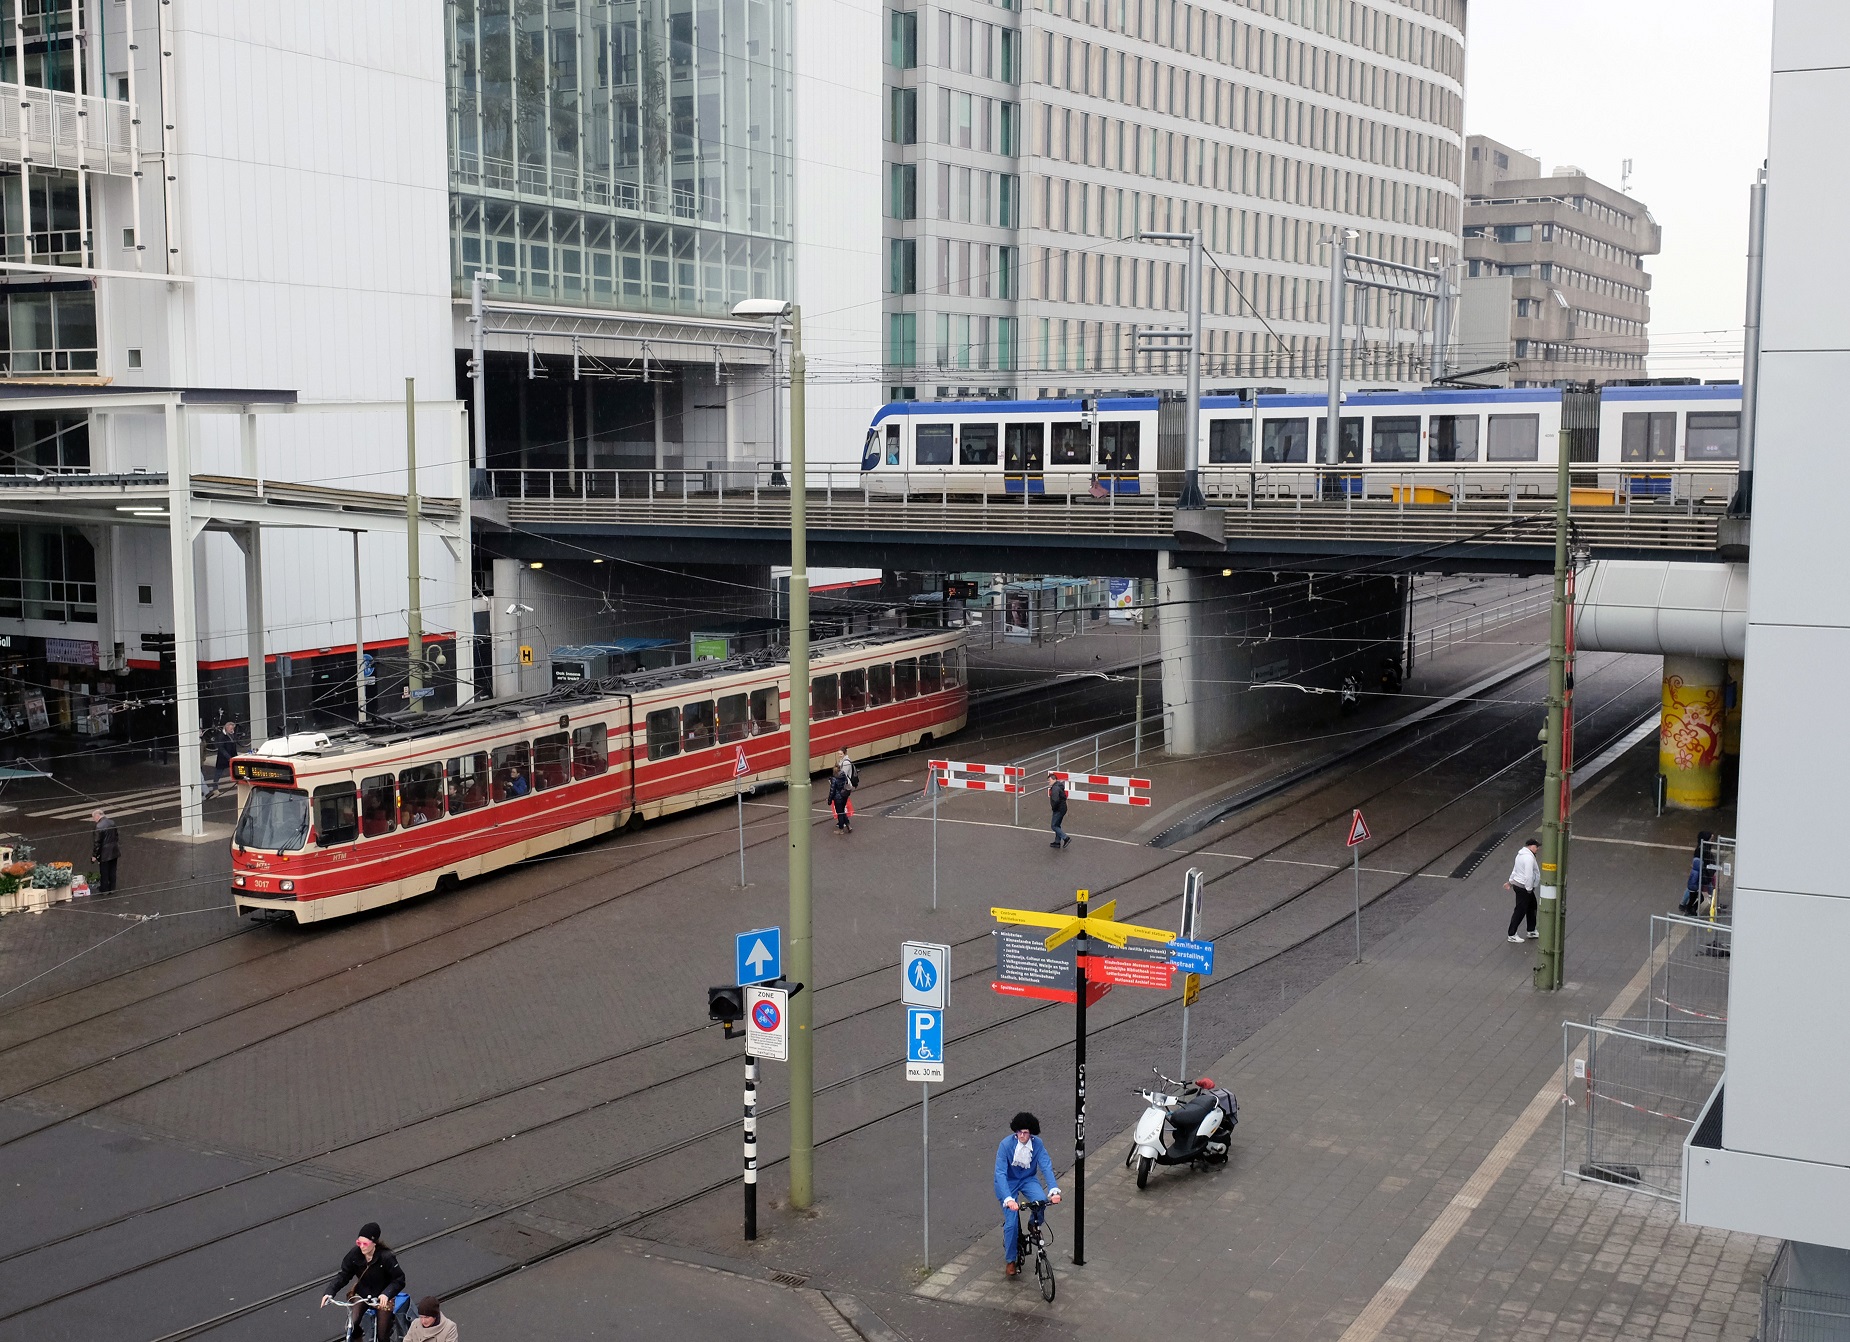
1130 973
1094 991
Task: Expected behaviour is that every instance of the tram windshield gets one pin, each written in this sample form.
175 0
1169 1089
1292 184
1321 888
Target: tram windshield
273 819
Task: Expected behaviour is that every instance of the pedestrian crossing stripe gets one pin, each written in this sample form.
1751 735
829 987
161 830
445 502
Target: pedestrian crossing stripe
118 804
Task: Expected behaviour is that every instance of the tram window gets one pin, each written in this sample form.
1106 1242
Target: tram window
420 795
1117 445
1072 445
854 690
552 757
931 445
697 725
735 722
931 673
824 697
906 678
892 444
468 779
1454 438
976 445
1021 446
767 713
1351 449
1513 438
953 668
273 819
1649 437
590 751
1285 440
337 814
664 731
378 805
1230 442
1713 436
1395 439
513 771
879 685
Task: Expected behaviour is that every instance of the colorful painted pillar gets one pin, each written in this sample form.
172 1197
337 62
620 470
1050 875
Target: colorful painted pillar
1689 741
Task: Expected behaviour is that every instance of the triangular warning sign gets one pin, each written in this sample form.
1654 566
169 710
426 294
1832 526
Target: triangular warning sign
1358 830
741 767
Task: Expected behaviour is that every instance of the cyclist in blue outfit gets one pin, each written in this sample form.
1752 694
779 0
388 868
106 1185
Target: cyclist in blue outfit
1024 1173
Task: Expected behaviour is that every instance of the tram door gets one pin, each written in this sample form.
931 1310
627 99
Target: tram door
1024 458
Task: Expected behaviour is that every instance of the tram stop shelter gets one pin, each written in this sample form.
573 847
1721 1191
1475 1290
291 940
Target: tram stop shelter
189 503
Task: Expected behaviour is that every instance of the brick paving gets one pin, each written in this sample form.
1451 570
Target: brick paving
1366 1109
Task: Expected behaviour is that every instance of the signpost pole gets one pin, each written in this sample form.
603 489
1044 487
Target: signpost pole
1079 1093
934 840
751 1146
739 794
925 1152
1356 854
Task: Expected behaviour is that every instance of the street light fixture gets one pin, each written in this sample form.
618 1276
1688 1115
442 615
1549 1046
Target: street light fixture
801 1006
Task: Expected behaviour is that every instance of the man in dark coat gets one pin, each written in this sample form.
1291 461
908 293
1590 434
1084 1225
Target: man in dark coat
106 848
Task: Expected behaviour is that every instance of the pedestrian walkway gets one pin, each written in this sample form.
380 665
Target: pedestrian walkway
1397 1170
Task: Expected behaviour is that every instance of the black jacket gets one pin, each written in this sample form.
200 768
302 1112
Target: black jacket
1056 799
106 846
382 1276
838 789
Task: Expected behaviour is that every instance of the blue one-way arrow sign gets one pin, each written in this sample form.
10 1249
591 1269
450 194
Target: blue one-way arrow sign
758 957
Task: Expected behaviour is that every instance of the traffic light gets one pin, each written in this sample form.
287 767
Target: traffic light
726 1004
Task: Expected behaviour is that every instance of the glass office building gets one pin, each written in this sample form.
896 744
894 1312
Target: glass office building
632 154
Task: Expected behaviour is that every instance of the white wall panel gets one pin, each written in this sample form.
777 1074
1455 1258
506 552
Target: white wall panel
1807 285
1801 438
1811 36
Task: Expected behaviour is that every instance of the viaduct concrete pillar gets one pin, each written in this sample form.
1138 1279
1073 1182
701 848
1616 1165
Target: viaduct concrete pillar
1175 637
1689 740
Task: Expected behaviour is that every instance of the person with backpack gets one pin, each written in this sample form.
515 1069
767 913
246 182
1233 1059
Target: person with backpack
1056 801
839 788
377 1280
1701 880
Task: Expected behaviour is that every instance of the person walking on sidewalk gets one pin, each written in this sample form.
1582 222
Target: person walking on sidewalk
1056 802
839 788
1524 880
106 848
227 747
1024 1173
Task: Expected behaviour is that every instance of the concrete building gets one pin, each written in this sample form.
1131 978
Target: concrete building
1027 145
1554 271
1774 1159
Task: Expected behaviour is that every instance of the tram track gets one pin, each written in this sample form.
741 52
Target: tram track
729 1128
1240 925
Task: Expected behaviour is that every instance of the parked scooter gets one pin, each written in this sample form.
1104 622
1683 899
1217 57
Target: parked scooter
1192 1126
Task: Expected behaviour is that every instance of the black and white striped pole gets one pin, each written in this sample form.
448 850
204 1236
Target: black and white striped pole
751 1147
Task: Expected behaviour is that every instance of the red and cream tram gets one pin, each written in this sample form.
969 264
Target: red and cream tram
332 824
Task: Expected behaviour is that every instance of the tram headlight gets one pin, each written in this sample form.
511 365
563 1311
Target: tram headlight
238 881
287 887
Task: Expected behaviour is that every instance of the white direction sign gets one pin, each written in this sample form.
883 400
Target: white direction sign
924 1044
925 974
767 1023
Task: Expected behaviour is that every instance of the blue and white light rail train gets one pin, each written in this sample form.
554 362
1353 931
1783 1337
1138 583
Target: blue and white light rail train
1670 442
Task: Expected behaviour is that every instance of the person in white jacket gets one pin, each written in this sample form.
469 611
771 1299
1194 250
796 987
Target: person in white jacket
1525 879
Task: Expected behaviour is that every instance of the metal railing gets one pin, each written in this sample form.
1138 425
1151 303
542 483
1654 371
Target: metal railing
1479 622
1793 1313
1497 508
55 129
1632 1098
1689 980
1122 747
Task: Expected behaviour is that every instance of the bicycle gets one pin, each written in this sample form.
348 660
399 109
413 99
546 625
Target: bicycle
366 1327
1036 1237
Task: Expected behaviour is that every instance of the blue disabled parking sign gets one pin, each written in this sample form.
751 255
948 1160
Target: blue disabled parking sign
924 1044
758 955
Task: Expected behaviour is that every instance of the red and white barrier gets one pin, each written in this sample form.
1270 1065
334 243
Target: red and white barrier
1104 787
978 777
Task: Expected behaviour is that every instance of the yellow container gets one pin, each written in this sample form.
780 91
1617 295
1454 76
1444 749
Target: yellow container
1592 498
1421 494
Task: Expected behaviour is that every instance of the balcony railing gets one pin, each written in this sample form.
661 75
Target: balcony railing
61 130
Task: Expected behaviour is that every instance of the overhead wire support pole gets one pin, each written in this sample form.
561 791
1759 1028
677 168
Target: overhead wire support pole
1551 924
414 609
802 1038
478 370
1339 266
1742 504
1189 343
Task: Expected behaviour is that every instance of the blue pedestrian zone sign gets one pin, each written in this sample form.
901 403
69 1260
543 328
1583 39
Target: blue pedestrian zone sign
1192 957
758 956
922 974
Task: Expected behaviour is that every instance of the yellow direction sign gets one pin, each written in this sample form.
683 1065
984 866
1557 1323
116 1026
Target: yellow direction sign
1067 926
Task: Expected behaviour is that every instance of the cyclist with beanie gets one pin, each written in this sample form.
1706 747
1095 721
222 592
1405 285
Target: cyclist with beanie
377 1280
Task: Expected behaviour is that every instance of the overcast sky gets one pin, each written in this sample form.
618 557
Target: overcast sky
1677 86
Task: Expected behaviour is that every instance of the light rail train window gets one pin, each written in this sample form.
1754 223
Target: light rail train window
931 445
698 725
378 805
931 673
906 678
735 723
1395 439
1713 436
976 445
552 757
1022 446
337 814
420 795
1454 438
1072 445
590 751
879 685
469 779
767 710
1352 439
1230 442
1513 438
1650 436
1285 440
1117 445
664 731
513 771
892 444
854 690
824 697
